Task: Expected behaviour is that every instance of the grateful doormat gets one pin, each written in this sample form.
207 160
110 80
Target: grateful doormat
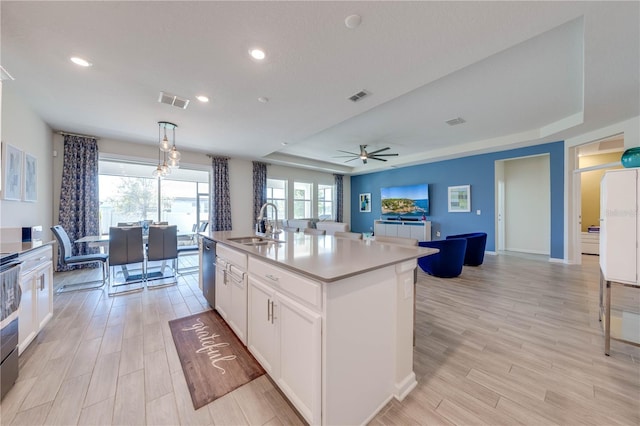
214 360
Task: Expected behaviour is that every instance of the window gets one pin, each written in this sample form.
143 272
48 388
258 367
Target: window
302 193
277 194
325 202
128 193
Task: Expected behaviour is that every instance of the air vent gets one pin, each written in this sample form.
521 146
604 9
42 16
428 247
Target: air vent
169 99
455 121
358 96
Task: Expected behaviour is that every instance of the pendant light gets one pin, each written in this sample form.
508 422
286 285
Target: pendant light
168 154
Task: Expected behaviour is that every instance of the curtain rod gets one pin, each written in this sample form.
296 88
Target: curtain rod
76 134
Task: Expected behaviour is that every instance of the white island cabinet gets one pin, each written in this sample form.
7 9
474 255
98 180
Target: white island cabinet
285 335
331 321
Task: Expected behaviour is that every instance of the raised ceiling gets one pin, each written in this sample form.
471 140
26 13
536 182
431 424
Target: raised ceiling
519 73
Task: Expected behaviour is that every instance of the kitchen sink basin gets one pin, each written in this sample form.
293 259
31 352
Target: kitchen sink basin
247 240
253 241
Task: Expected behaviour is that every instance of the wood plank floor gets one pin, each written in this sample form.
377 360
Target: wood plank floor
514 341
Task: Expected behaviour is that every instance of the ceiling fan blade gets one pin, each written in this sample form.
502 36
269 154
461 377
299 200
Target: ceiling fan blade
380 150
344 156
376 158
383 155
354 158
347 152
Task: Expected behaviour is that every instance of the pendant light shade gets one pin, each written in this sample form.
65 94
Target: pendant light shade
168 154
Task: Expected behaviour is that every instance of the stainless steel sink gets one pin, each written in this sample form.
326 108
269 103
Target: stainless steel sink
253 241
246 240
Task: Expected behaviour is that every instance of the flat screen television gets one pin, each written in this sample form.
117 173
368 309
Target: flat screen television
411 201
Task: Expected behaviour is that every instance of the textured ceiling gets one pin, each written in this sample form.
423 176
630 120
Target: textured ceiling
518 72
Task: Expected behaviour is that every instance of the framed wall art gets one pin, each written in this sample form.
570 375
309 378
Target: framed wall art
460 198
30 178
12 168
365 202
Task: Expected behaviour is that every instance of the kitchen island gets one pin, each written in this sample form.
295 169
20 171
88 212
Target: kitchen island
330 319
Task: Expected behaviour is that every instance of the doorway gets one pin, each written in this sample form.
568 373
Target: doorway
523 204
590 162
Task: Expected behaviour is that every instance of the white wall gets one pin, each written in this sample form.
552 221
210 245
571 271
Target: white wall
23 128
528 205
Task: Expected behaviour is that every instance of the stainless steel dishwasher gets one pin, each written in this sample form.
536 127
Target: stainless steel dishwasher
209 271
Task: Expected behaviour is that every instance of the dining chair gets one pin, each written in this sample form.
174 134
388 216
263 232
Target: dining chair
290 229
162 246
313 231
68 259
126 248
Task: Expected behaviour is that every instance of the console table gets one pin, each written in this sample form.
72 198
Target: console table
420 230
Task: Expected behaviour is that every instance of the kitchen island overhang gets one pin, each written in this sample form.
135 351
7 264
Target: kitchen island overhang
356 300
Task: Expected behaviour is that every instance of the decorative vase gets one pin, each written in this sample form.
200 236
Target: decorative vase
631 158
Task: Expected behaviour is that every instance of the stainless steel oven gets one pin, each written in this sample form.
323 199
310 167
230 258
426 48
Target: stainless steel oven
10 294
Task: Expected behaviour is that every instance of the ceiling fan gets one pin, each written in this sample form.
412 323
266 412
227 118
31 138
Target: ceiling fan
364 155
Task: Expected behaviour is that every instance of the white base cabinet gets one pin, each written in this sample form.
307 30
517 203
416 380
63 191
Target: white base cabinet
231 290
36 305
338 350
285 337
420 230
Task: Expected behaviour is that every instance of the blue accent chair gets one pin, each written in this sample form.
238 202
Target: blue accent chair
476 243
448 262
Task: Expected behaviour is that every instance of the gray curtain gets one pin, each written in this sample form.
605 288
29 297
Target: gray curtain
339 197
79 201
220 210
259 187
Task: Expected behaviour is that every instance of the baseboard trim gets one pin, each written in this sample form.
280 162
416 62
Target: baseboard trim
403 388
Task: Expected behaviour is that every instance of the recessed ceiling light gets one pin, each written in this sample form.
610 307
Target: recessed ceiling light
284 143
257 54
202 98
263 99
82 62
352 21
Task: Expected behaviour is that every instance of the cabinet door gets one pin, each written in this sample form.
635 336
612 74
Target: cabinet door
223 290
618 232
299 375
391 230
44 289
27 327
417 232
404 230
261 327
378 228
238 310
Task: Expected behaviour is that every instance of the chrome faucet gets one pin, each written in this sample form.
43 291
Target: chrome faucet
269 229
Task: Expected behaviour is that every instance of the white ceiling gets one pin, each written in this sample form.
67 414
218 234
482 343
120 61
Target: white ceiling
519 73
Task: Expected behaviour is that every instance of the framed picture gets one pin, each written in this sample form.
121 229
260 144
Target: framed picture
12 168
365 202
30 178
460 198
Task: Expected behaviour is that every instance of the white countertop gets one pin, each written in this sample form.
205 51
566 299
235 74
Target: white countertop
323 257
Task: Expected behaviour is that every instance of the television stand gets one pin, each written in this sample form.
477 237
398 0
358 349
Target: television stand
420 230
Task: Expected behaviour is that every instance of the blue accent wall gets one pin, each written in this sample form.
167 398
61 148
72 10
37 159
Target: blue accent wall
477 171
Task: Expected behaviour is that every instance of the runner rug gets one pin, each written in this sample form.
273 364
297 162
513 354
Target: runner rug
214 360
